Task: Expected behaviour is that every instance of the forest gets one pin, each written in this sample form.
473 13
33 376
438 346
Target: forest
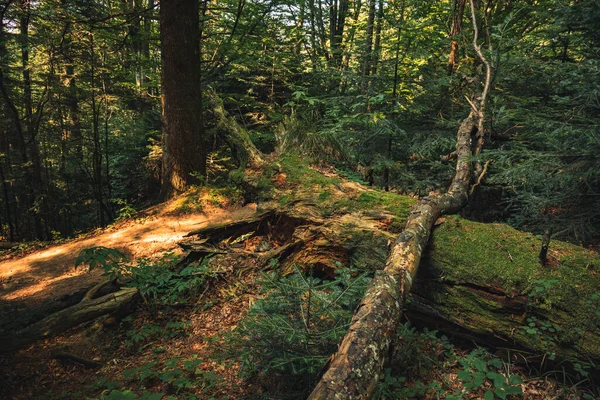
300 199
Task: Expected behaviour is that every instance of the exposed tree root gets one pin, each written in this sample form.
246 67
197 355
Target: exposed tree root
300 237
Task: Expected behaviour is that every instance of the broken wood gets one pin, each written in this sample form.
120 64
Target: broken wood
86 310
545 244
70 357
217 232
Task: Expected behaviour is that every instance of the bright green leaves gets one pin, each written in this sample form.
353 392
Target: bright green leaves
108 259
479 370
157 281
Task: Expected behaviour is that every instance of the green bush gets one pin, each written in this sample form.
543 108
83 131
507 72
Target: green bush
291 332
157 280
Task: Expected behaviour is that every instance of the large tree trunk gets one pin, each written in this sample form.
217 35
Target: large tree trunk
184 152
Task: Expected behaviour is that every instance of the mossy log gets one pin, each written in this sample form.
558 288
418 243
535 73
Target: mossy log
86 310
483 282
478 281
237 138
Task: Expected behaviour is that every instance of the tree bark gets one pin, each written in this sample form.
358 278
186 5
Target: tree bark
456 28
184 152
368 50
355 369
242 148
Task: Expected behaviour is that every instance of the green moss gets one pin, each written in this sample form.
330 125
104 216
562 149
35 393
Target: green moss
498 255
298 172
392 202
285 199
368 248
374 201
329 195
560 311
324 196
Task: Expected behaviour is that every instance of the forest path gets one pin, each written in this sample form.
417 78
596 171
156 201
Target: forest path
29 283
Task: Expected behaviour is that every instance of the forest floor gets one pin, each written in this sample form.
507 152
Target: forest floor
31 280
182 350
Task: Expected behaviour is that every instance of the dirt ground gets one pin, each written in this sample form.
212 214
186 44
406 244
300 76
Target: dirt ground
30 281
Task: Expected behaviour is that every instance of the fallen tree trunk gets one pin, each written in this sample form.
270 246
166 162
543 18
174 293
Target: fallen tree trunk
355 369
86 310
483 282
477 281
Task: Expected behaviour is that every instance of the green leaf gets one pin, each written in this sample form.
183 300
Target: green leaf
515 380
510 390
489 395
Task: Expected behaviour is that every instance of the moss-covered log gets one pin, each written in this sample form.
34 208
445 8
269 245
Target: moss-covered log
483 282
237 138
86 310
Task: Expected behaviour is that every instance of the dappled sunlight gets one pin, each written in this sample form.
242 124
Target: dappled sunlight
39 286
53 270
116 235
161 238
50 253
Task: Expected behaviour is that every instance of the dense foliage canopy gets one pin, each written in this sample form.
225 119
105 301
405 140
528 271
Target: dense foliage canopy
376 87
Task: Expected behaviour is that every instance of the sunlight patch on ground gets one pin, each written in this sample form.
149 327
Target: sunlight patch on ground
48 253
116 235
166 238
33 275
39 286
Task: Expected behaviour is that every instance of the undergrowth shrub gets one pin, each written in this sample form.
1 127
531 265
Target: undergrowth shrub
422 364
178 377
158 281
289 334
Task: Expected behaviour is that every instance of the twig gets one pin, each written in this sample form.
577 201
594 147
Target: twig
64 356
480 178
472 106
488 68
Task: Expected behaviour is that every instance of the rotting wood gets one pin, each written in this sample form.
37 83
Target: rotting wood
86 310
217 232
489 315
